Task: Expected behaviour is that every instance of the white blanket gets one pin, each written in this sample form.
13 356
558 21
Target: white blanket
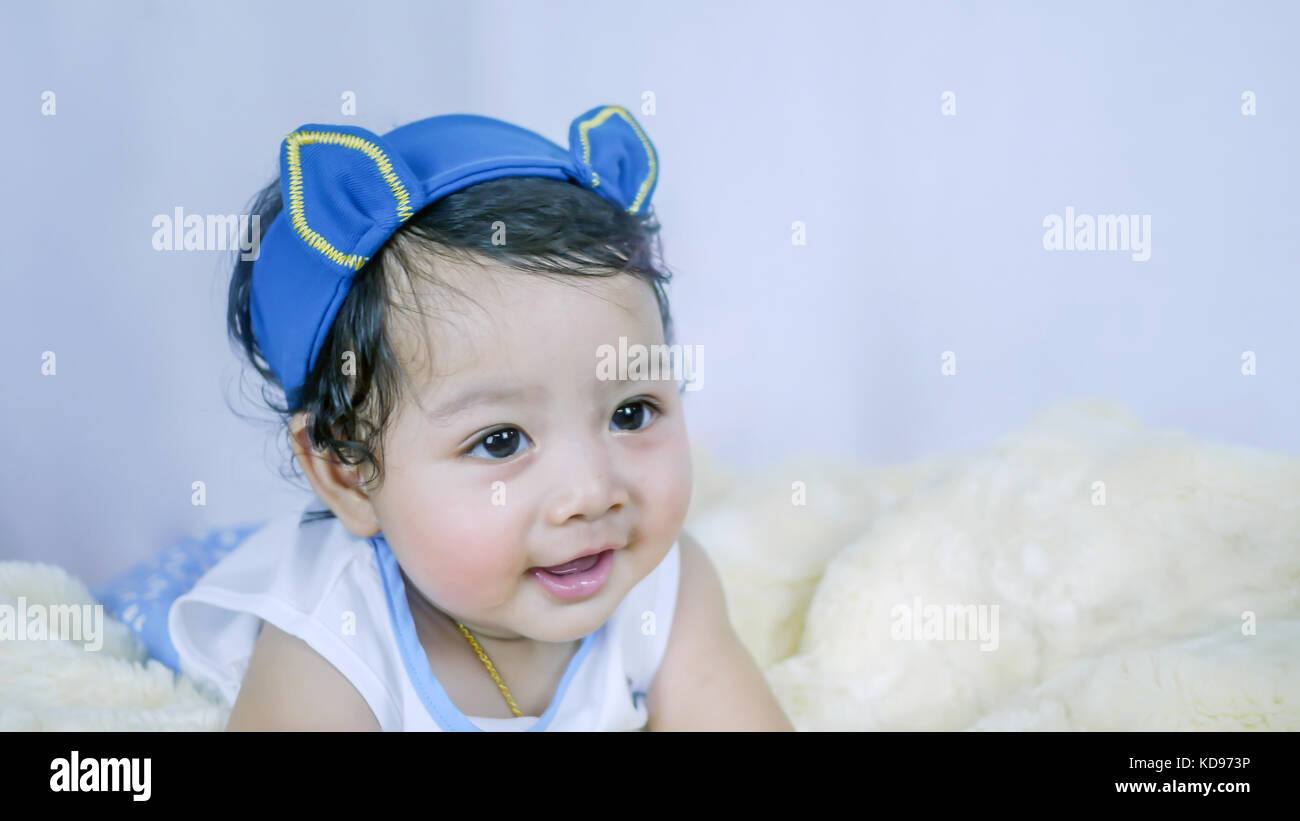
1175 604
60 685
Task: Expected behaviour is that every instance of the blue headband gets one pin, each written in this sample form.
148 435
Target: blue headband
346 191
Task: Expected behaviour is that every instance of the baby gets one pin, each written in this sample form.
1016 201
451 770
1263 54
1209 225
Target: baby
500 546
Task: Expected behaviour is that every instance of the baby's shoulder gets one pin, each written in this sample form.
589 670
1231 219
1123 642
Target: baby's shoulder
295 616
290 686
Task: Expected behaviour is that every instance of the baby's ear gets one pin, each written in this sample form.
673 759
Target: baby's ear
336 484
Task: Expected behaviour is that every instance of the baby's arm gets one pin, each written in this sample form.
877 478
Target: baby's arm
707 679
289 686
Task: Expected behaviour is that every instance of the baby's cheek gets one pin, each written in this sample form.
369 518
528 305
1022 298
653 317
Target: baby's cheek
669 490
459 547
475 560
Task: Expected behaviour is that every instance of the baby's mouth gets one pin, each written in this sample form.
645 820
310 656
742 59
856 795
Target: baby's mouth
577 579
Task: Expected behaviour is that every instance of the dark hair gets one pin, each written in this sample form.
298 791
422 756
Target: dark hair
556 228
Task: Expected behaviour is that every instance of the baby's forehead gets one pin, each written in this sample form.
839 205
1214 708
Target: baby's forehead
477 316
496 288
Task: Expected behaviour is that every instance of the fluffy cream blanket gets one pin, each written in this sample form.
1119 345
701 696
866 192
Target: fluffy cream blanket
1086 572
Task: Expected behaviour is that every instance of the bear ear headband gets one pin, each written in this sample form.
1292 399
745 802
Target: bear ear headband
346 191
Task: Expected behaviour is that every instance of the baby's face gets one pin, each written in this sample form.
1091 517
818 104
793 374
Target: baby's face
553 463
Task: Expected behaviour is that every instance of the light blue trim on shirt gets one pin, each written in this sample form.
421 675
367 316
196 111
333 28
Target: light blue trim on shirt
416 662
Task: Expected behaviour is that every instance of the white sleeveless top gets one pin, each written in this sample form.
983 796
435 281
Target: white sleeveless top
345 597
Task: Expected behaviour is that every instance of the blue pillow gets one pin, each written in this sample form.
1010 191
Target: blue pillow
141 596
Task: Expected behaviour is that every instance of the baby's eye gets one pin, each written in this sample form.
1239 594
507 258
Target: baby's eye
634 415
500 444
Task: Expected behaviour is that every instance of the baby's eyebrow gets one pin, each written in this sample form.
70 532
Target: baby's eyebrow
482 394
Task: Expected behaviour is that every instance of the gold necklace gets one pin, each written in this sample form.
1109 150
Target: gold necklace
501 685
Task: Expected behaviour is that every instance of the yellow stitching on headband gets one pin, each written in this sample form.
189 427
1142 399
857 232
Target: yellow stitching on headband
595 122
313 239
